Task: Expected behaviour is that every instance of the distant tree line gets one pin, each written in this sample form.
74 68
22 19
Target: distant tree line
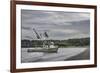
59 43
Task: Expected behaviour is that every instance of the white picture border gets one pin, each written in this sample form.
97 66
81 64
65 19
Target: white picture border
20 65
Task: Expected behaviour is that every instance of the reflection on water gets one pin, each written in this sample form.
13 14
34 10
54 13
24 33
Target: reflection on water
61 55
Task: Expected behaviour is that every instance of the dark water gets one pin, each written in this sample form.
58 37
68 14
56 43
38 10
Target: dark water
82 56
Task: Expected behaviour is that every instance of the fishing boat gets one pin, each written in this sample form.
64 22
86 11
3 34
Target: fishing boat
48 47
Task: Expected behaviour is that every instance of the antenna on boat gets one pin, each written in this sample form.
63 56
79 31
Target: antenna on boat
37 35
46 34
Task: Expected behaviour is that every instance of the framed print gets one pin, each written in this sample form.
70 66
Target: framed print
52 36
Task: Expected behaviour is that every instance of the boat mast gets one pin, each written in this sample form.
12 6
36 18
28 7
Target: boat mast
37 35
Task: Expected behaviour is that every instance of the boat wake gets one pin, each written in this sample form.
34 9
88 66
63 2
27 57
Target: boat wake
61 55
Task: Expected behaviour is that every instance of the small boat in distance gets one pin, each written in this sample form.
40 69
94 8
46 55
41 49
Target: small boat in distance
48 47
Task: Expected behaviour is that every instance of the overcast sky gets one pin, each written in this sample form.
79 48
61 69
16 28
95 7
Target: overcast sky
59 25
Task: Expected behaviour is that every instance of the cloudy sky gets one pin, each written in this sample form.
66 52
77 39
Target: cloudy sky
59 25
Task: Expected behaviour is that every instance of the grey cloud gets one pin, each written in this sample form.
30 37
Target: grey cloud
58 24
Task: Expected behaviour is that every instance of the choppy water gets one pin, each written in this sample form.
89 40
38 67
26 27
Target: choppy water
61 55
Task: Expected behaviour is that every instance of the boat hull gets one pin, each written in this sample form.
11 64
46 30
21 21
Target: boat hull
50 50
